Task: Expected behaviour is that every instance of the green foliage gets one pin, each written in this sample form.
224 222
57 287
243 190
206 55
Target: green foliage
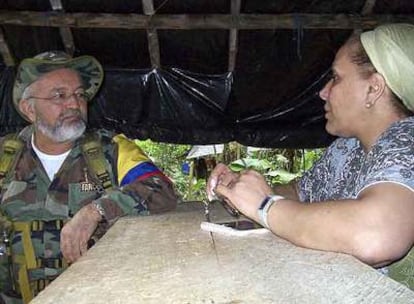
279 166
169 158
162 154
197 190
280 176
310 157
250 163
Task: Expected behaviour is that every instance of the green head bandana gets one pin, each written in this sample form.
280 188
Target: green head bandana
31 69
390 48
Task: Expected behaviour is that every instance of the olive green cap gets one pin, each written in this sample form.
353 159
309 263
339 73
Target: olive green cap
31 69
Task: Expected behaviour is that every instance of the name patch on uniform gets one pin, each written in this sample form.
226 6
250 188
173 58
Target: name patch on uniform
87 186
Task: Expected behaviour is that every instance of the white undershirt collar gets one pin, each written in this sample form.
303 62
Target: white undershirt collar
50 162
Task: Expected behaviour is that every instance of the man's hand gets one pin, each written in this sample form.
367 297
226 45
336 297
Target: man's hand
76 233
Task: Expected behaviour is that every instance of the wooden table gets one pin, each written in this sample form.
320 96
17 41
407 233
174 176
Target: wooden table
169 259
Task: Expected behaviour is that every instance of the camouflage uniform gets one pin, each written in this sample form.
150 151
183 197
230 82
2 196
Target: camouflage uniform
139 189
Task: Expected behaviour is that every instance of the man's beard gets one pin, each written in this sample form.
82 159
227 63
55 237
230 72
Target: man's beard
61 131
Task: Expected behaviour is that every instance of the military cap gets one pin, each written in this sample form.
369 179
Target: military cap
31 69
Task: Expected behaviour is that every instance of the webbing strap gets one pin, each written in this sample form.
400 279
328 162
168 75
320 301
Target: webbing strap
24 228
95 159
42 284
9 155
28 260
24 284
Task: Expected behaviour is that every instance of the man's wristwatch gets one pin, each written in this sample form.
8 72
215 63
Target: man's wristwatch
264 208
99 208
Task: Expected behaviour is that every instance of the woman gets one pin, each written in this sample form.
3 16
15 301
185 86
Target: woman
362 189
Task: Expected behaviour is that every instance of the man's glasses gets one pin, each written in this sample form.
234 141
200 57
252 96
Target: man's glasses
60 97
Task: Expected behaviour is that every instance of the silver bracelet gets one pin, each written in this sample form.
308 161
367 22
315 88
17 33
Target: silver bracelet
264 208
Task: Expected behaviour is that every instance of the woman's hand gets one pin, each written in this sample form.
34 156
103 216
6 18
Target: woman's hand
246 192
220 175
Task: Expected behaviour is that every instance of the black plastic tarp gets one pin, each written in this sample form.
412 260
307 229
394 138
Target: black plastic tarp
270 99
183 107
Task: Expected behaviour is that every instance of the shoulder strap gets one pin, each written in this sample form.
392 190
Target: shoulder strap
91 147
10 152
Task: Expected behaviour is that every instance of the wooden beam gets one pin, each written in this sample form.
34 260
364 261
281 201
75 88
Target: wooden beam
152 36
56 5
5 51
148 7
209 21
67 38
233 36
65 31
366 10
368 7
154 48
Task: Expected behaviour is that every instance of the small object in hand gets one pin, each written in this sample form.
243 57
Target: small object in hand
207 210
242 225
230 209
221 199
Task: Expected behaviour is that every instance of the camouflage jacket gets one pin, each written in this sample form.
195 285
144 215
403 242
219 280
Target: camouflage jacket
139 188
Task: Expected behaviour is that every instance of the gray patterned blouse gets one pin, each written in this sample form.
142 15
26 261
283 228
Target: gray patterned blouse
345 169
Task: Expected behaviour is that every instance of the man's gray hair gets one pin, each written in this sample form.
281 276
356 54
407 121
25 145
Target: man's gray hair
27 94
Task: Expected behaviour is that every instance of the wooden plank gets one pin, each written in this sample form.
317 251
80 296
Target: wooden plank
233 36
209 21
65 31
5 51
152 36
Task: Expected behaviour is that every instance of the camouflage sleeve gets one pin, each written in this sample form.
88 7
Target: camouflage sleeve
141 197
143 188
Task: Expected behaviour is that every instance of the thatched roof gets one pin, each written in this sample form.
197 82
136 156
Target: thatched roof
201 71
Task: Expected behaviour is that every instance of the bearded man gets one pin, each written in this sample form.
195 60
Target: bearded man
61 188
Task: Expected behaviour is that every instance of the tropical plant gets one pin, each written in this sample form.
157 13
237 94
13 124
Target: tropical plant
169 158
279 166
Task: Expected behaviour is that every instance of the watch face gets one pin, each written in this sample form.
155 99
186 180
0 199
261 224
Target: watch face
241 225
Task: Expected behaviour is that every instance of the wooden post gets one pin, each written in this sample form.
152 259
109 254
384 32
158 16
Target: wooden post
233 34
5 51
65 31
152 35
368 7
191 180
